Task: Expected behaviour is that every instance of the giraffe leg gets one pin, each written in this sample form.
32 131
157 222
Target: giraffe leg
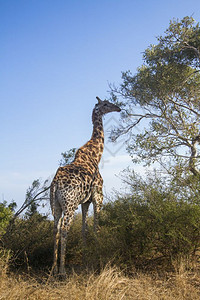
97 204
66 223
84 207
57 224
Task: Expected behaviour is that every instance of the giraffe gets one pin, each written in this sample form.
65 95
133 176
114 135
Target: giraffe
79 182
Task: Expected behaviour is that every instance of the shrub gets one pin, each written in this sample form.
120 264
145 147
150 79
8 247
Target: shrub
5 216
148 230
31 241
150 223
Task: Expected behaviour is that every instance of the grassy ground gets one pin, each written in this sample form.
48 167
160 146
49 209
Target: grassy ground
109 284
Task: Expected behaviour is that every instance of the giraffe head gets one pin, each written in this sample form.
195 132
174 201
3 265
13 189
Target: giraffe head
105 107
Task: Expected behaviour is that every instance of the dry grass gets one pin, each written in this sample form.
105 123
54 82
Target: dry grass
109 284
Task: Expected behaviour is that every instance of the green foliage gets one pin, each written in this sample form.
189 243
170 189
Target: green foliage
5 216
155 223
35 194
67 157
152 222
162 100
31 242
32 209
30 193
157 228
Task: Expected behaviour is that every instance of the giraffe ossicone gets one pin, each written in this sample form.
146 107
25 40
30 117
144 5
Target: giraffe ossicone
80 182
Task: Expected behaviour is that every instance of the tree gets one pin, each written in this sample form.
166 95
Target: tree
35 194
162 101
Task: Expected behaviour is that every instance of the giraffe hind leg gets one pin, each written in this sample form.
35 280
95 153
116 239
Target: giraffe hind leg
66 224
57 228
84 207
97 204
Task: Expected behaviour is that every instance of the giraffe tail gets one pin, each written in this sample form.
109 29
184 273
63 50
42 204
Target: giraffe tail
53 189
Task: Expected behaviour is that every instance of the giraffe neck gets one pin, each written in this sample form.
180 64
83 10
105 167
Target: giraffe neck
90 154
98 135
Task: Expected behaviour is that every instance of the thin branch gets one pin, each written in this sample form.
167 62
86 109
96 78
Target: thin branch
193 157
184 106
24 206
188 46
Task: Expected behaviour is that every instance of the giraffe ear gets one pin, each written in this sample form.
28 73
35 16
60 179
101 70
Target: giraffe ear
99 100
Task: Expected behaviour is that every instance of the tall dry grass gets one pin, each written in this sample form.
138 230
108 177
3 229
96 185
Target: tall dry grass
109 284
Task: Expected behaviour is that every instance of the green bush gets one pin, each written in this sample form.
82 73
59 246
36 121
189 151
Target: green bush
31 242
143 231
5 216
152 222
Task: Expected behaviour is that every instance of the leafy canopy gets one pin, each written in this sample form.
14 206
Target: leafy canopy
160 102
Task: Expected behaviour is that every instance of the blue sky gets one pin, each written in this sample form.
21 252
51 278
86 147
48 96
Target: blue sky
55 58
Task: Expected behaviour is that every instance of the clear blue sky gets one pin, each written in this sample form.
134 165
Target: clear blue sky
55 58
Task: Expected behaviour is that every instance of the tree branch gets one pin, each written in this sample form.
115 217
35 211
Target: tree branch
194 156
188 46
24 206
